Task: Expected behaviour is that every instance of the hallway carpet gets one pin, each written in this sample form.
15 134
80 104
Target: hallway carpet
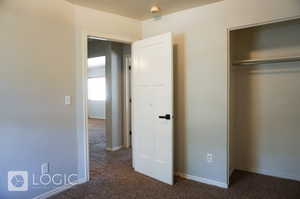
113 178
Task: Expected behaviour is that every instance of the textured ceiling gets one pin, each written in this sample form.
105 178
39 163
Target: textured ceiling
140 9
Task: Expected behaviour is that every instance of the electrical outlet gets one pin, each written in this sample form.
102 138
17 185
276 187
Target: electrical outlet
45 168
209 158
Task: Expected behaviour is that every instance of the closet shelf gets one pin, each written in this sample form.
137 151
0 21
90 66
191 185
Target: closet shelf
267 60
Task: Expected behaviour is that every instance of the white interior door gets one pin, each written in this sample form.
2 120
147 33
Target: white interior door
152 107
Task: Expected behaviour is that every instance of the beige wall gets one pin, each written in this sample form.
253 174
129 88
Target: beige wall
200 36
94 21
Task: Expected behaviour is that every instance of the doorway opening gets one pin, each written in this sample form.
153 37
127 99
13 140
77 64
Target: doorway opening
108 102
151 119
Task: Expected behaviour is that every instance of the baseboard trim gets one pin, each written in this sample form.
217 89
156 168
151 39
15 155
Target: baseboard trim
60 189
114 149
96 117
271 173
203 180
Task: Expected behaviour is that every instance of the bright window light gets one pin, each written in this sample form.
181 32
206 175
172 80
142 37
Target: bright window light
96 62
96 89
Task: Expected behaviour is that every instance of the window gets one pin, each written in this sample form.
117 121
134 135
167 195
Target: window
96 89
96 62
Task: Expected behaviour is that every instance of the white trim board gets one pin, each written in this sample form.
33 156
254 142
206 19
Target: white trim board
126 101
114 148
96 117
203 180
265 23
60 189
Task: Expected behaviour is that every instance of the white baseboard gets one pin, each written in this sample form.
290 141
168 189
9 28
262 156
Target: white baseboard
272 173
60 189
96 117
114 149
203 180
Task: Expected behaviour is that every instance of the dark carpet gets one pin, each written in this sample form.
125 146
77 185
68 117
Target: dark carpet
112 177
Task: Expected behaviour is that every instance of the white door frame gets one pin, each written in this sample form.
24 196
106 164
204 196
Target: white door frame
126 99
84 76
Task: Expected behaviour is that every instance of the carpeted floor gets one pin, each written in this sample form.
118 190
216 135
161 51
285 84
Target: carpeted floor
113 178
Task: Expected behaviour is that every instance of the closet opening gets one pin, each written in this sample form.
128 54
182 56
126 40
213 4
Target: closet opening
264 100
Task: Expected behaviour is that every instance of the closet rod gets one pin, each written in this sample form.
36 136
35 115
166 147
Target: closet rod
267 60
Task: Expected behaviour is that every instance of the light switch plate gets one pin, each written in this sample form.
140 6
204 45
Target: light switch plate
45 168
67 100
209 158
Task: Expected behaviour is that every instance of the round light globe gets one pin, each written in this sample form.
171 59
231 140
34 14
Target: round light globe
155 9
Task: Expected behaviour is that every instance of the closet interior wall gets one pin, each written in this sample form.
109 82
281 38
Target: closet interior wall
265 100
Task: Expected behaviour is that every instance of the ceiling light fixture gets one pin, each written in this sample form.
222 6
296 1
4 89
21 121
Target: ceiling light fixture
155 9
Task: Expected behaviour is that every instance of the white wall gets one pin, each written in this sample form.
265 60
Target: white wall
37 56
96 109
40 64
114 103
108 24
200 37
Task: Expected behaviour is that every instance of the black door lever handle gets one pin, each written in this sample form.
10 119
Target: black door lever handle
167 117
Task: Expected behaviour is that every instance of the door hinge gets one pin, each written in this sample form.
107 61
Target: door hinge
130 132
129 67
130 100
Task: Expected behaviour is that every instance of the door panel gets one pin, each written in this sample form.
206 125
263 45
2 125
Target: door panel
152 94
